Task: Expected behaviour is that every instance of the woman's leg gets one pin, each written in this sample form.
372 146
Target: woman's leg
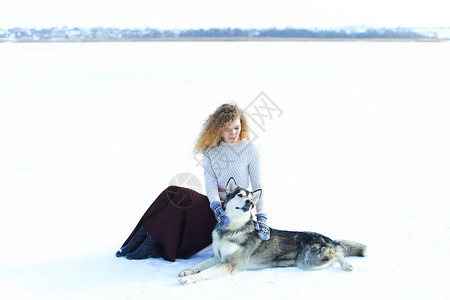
148 248
134 243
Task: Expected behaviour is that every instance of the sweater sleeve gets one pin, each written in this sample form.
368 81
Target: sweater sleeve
212 189
255 178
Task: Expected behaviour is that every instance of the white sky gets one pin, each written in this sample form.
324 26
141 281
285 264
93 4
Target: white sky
171 14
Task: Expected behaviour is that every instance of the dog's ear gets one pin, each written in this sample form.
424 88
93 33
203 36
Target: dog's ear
231 185
256 196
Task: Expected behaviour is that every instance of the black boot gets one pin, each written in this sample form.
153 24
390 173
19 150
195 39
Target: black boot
137 239
148 248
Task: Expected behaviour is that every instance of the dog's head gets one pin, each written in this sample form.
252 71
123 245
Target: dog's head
239 201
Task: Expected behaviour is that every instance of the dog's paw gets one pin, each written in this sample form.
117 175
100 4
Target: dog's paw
186 272
347 267
190 279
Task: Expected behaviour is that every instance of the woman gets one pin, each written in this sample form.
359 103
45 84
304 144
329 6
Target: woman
180 221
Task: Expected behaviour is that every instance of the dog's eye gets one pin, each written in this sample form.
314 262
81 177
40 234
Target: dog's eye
240 195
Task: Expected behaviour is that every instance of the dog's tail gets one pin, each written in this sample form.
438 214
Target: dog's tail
349 248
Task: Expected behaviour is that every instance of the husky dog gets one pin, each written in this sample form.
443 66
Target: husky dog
238 246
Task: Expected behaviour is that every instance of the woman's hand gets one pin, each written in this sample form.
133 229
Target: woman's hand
222 220
262 227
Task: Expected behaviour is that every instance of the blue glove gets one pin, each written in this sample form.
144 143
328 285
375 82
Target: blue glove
262 227
222 220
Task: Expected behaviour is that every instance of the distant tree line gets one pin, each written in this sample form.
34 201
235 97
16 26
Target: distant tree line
110 34
299 33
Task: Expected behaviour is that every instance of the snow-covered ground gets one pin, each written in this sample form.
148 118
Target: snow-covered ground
357 148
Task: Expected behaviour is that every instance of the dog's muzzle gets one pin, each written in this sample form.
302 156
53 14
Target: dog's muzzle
248 205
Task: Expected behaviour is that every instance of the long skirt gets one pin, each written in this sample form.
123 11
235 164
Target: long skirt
180 220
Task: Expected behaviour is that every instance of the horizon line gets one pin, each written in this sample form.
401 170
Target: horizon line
229 27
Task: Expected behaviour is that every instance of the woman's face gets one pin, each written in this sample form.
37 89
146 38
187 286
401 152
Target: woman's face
232 131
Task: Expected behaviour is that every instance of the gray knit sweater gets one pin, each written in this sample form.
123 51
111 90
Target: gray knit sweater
239 160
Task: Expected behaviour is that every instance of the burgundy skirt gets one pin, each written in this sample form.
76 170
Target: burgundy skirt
181 220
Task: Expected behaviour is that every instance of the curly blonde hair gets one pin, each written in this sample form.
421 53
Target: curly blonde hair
211 134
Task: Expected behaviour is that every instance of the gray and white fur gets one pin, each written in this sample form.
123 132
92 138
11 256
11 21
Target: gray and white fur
238 247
